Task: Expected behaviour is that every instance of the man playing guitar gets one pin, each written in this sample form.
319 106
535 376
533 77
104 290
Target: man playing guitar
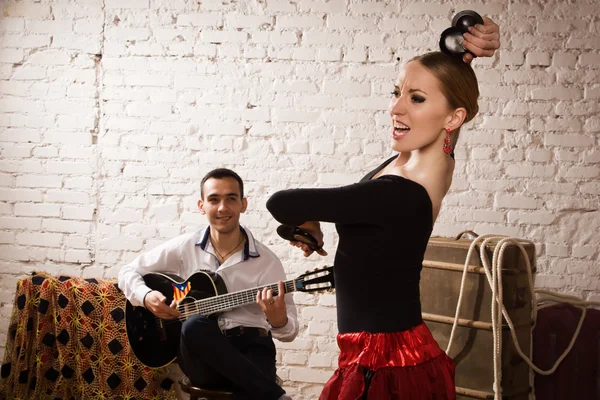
236 350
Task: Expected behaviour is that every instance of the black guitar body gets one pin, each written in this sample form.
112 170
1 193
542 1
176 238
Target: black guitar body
155 341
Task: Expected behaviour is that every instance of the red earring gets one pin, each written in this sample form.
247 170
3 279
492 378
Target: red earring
447 145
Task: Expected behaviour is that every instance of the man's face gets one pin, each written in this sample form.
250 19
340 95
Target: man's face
222 204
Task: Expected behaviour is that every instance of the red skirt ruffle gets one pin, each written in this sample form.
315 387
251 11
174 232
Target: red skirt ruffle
407 365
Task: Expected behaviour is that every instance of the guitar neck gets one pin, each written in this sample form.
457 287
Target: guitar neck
232 300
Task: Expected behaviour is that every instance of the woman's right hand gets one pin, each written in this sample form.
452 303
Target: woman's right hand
314 228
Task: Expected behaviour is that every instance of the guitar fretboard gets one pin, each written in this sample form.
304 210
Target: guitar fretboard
230 301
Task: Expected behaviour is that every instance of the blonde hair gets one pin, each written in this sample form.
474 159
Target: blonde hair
457 82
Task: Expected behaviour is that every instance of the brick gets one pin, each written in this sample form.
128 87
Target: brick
329 6
550 281
21 105
56 225
515 201
298 148
533 218
8 24
564 59
553 26
304 54
13 56
556 93
295 358
592 92
308 374
355 54
78 213
299 21
569 140
563 124
127 4
511 57
39 239
7 180
581 172
58 137
78 183
138 79
13 195
14 253
504 122
224 37
63 196
321 360
6 209
579 251
592 124
299 86
7 237
76 242
71 168
589 60
367 103
319 328
15 223
538 58
8 151
122 243
248 21
337 21
46 181
295 116
50 57
78 256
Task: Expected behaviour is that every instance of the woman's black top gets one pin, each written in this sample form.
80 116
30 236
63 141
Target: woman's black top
384 225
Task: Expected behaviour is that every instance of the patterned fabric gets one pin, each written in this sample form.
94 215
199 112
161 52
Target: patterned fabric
407 365
67 340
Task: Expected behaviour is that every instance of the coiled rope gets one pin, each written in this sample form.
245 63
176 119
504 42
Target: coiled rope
544 298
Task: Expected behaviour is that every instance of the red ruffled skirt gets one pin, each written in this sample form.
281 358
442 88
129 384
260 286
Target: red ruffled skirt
406 365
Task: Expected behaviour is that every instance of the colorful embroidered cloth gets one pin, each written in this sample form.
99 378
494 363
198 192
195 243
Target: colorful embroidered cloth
67 340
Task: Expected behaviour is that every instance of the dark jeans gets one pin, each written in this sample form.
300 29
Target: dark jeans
244 363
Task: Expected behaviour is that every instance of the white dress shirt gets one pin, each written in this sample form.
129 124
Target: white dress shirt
253 266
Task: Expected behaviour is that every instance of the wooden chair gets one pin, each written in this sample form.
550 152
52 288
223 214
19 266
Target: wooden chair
197 393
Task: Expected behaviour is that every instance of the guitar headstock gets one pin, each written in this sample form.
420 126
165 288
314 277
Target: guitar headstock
318 280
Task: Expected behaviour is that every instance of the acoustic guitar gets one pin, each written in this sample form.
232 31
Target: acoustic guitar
155 341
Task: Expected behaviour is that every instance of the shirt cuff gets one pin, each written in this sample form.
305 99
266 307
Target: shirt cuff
280 326
140 293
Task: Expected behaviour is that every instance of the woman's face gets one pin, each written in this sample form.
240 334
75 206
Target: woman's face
420 112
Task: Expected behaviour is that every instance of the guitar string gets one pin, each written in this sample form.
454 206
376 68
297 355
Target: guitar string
215 304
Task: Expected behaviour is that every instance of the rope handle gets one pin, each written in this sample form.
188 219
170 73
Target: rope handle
469 232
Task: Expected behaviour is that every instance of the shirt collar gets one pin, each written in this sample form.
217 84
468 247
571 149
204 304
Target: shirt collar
250 249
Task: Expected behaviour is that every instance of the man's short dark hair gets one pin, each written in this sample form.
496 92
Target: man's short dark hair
221 173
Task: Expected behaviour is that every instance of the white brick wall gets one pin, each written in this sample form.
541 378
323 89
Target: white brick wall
111 111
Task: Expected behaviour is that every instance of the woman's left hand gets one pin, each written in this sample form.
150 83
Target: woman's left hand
274 308
482 40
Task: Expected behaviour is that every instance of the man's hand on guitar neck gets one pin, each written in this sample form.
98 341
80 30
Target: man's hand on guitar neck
274 308
154 301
